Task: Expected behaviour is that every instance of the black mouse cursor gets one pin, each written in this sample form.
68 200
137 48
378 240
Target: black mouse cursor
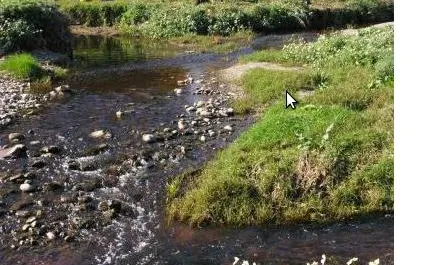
290 100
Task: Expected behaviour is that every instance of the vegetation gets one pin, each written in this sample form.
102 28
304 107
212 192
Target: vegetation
21 66
32 24
25 66
178 18
329 159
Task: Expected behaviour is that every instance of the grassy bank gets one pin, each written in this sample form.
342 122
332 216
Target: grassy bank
177 18
329 159
27 25
26 67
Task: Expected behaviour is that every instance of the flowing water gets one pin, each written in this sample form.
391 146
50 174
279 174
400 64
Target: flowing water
139 79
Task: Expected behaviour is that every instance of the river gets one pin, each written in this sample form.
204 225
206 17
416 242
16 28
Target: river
103 197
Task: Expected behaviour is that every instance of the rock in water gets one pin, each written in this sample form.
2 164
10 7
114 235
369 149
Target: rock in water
100 134
13 137
228 128
50 236
149 138
18 150
181 125
26 187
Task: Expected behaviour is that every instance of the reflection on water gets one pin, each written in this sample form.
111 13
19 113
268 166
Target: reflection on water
98 51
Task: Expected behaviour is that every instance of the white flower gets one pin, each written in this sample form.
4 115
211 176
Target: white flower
375 262
351 261
323 259
235 260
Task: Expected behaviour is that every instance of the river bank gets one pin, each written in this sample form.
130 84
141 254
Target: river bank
330 159
90 187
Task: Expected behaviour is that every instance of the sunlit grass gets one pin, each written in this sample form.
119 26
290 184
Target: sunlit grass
22 66
331 158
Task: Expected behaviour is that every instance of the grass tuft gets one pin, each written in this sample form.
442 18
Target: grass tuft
23 66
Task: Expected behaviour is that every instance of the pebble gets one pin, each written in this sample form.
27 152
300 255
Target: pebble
26 187
203 138
211 133
13 137
200 103
50 235
228 128
149 138
178 91
181 125
190 109
100 134
18 150
50 149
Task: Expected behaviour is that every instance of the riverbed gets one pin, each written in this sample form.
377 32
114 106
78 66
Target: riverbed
99 154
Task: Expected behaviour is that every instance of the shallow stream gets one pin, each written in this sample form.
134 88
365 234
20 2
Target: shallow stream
77 185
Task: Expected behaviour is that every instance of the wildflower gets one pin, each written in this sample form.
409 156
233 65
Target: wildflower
375 262
351 261
323 259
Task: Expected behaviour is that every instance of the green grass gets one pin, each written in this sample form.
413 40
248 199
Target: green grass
155 19
331 158
22 66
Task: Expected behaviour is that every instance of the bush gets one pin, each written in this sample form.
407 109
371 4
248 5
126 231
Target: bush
32 24
95 14
369 47
19 33
278 17
136 14
22 66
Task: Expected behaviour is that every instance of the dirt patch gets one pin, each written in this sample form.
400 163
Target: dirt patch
236 71
351 32
94 31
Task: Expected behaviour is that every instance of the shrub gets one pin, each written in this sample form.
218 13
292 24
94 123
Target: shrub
18 33
21 66
136 14
40 23
228 21
95 14
369 47
278 17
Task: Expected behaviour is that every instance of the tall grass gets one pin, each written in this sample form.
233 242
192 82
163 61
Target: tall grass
331 158
22 66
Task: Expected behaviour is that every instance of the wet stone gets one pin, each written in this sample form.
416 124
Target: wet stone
17 151
39 164
96 149
50 149
27 187
149 138
52 186
16 137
